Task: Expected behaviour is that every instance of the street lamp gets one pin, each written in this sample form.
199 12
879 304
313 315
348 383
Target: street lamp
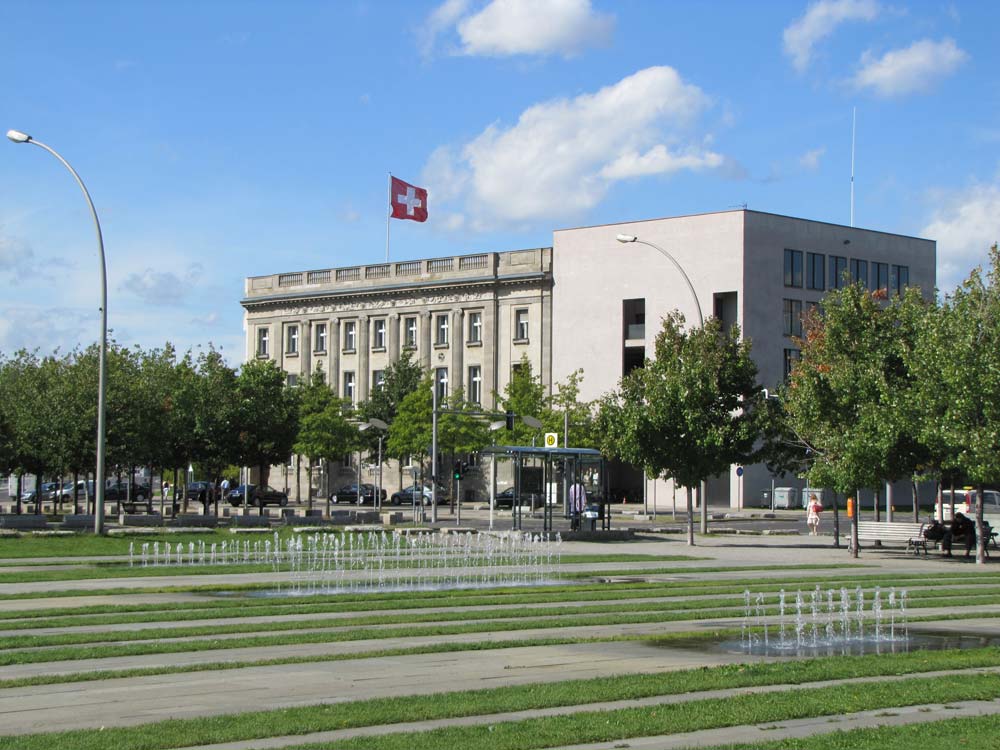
378 424
626 238
18 137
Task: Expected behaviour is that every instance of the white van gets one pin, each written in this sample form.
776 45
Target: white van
991 505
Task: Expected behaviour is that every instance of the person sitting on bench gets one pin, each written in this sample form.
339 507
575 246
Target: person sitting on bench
962 527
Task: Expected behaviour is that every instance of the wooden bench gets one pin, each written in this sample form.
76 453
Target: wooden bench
911 534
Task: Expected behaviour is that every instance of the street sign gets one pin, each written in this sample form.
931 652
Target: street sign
739 471
551 439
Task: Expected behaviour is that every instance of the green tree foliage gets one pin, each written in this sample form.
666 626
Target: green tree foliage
691 412
324 431
411 430
402 378
266 416
565 402
851 394
524 395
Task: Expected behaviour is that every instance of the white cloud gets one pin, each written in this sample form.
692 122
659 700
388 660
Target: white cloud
562 156
29 326
16 258
965 225
810 159
519 27
820 20
162 288
911 69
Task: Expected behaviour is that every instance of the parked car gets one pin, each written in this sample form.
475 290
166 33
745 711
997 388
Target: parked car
405 496
257 496
200 492
349 493
963 497
505 499
140 496
49 491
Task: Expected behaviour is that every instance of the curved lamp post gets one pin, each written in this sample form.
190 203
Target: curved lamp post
378 424
626 238
18 137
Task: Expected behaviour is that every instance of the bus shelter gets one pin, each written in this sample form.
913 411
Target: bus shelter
542 478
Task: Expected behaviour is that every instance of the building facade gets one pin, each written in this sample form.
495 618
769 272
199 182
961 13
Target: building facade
587 302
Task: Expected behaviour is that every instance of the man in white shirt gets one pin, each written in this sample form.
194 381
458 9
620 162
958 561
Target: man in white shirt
577 503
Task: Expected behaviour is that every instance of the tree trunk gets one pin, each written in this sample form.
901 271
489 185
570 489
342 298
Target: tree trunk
309 485
878 511
980 542
690 510
916 500
20 484
703 502
836 522
298 479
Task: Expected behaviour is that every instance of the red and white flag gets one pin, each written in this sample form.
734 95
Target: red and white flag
407 201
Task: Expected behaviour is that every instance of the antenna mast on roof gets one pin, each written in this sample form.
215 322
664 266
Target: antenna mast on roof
854 125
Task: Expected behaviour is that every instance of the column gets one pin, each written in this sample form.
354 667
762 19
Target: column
490 374
427 323
333 344
393 323
305 350
364 349
456 377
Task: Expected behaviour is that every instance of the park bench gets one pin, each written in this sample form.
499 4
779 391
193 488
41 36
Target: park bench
23 521
910 535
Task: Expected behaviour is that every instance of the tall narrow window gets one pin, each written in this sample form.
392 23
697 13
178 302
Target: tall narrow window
378 334
410 332
793 317
793 268
293 380
263 335
349 386
882 277
441 382
350 335
899 279
476 384
521 325
320 337
791 357
859 272
815 278
475 328
378 380
441 326
292 341
838 265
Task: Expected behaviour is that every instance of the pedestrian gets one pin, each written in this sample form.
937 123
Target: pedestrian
225 488
166 490
812 514
577 503
962 527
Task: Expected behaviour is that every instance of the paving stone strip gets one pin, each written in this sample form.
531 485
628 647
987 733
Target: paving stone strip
745 733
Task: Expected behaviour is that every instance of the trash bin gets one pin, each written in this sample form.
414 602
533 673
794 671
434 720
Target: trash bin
765 498
785 498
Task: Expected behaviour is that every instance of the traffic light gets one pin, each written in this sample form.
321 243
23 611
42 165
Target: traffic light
509 420
458 470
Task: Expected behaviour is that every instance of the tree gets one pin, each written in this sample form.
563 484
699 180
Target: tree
324 432
691 412
524 396
851 394
564 406
410 434
957 365
266 416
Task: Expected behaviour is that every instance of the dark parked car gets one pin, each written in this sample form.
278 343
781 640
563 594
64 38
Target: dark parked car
257 496
505 499
349 493
199 492
140 497
405 496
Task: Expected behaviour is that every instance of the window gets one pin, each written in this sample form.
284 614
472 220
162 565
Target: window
410 332
815 278
793 317
441 326
262 340
350 335
320 345
791 357
378 380
378 334
520 325
837 267
476 384
441 381
859 272
882 277
793 268
899 279
293 380
475 328
292 342
349 386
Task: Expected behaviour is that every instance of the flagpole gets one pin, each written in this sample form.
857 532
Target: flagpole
388 215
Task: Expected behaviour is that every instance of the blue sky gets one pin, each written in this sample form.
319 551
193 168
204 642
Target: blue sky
223 139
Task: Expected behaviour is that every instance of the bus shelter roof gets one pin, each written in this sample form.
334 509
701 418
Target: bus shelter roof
531 450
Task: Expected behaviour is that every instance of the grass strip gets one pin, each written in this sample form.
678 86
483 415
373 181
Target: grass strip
622 724
682 610
699 714
946 734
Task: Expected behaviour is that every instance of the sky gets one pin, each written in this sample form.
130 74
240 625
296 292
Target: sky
222 139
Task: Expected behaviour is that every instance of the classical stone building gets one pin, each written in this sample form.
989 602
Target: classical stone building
589 302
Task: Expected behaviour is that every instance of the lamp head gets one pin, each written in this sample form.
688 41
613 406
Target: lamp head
18 137
626 238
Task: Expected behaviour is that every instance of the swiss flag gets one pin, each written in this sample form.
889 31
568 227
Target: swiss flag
407 201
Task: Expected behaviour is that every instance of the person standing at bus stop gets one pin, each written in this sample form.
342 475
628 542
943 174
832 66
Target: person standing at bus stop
577 504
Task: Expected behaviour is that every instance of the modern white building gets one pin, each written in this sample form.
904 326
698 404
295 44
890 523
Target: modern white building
589 302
